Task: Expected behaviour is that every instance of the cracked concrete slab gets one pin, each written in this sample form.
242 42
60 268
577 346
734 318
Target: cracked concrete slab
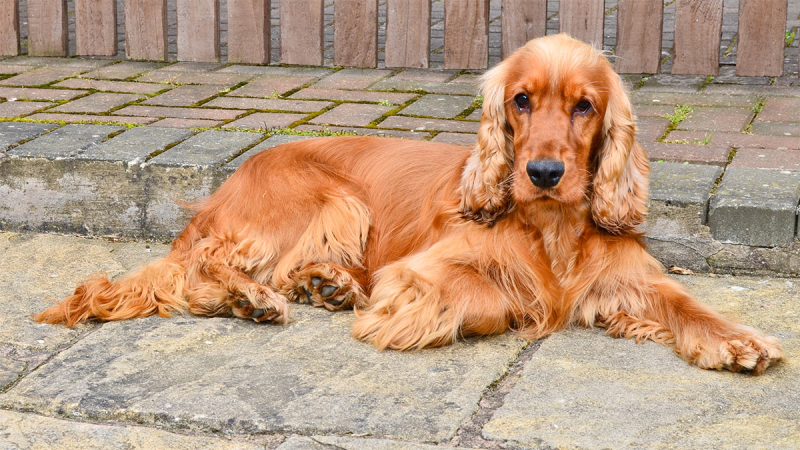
585 390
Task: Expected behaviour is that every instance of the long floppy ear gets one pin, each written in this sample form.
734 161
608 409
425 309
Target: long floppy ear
485 181
619 202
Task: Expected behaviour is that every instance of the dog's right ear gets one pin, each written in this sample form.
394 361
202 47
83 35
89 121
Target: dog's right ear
485 180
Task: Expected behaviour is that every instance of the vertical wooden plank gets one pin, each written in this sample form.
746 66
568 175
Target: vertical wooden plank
301 32
583 20
639 26
9 28
466 34
96 27
761 38
146 29
47 28
522 21
198 30
698 30
248 31
355 33
408 33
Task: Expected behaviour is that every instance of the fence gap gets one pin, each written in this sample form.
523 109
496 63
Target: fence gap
146 30
9 28
698 31
355 33
522 20
47 28
198 30
248 31
639 27
761 38
301 32
583 20
96 27
466 34
408 33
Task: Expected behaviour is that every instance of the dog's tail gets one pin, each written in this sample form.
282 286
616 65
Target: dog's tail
155 289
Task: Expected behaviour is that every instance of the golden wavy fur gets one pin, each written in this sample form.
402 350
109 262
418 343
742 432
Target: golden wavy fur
432 242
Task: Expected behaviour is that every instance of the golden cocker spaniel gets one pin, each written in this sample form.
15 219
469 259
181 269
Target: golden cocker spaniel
532 230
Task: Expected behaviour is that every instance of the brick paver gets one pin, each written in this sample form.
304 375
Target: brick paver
650 129
96 103
415 123
172 122
41 76
17 109
466 140
352 79
185 95
268 104
128 87
174 77
738 140
124 70
91 118
353 96
717 119
780 110
179 113
272 86
767 159
39 94
265 121
439 106
415 135
352 114
695 154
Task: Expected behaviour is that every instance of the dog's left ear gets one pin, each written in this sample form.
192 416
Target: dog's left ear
620 189
485 179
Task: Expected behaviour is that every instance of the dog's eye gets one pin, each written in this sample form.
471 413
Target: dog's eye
582 107
523 102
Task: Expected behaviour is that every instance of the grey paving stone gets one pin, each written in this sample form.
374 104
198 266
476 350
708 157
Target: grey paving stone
207 148
36 269
440 106
10 370
583 389
12 133
135 145
351 443
682 184
270 142
755 207
32 431
235 376
65 142
395 84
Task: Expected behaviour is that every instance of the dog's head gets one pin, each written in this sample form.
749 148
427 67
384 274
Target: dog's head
556 127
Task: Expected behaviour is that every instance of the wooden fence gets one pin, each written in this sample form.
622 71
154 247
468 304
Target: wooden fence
466 31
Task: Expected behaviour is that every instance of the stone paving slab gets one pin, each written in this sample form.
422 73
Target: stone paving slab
348 443
231 375
65 142
582 389
12 133
755 207
31 431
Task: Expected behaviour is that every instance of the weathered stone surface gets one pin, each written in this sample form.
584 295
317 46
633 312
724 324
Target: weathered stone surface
65 142
349 443
682 184
32 431
755 207
37 269
10 370
236 376
206 149
676 236
582 389
757 260
12 133
135 145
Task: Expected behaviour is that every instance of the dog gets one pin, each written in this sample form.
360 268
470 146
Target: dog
532 230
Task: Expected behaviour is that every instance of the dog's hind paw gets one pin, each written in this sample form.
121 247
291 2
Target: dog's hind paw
325 285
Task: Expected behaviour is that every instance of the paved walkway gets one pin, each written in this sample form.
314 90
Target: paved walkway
190 382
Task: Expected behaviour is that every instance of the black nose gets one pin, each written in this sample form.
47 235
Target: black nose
545 173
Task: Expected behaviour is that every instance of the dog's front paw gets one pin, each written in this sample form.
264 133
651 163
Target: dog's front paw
264 305
751 353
